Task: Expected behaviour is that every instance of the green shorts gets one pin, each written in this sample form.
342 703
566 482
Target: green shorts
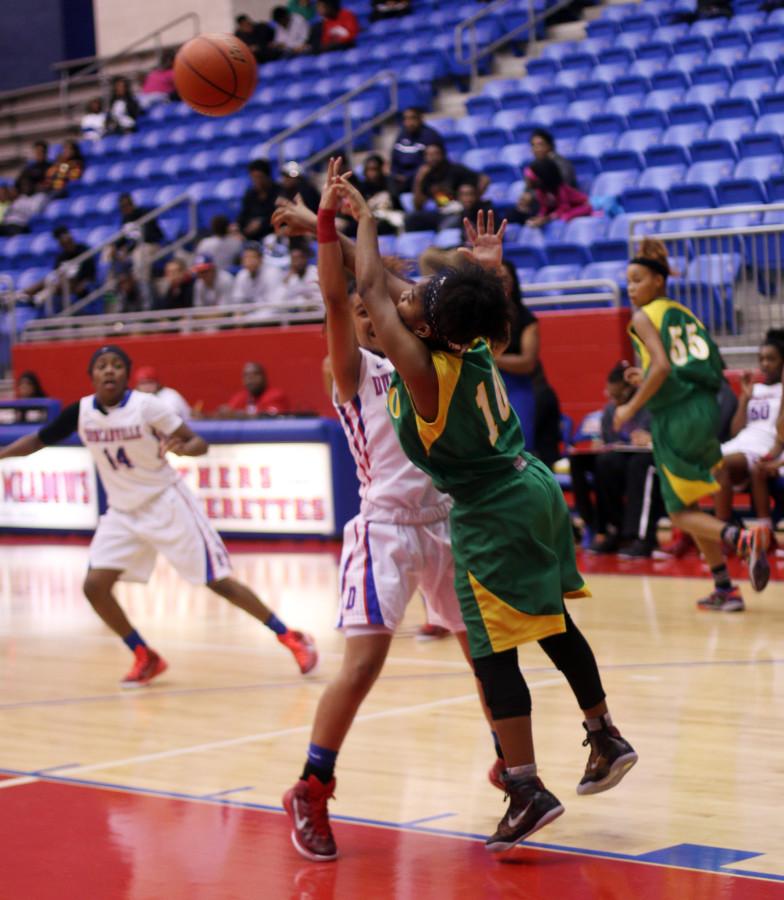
686 449
514 561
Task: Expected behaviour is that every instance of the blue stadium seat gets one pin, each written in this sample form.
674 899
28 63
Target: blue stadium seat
620 161
706 94
585 230
482 106
730 129
645 68
448 238
578 62
509 119
665 154
754 70
761 167
751 88
567 254
457 145
660 51
734 108
631 84
662 100
612 184
639 139
760 144
592 90
710 172
691 196
771 103
776 188
606 123
635 200
555 95
479 159
670 80
684 135
583 109
516 154
557 273
559 49
546 115
524 256
585 167
595 144
707 27
736 191
623 104
690 113
609 72
710 149
727 56
491 137
609 270
662 177
731 38
567 130
410 244
609 249
770 122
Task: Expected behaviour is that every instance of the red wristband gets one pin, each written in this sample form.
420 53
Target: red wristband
326 232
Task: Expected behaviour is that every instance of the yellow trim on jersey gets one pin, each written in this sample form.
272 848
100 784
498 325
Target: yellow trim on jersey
506 626
656 311
584 591
393 402
688 491
448 367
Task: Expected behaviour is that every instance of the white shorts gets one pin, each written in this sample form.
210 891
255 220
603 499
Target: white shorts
752 445
383 564
173 524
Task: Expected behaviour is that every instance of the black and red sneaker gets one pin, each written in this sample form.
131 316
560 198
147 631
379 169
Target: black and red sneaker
311 834
531 807
610 759
753 546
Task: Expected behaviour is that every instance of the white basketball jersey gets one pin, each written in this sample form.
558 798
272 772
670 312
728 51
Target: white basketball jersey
391 488
125 443
763 411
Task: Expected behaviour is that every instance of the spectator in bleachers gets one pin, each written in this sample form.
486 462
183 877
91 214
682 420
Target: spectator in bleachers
628 497
304 8
258 201
257 35
408 152
555 198
389 9
35 169
293 181
256 398
299 288
26 203
158 85
337 30
434 259
291 31
377 188
256 282
124 108
543 147
176 292
213 286
66 277
224 243
147 380
140 242
67 168
28 387
438 180
93 124
129 294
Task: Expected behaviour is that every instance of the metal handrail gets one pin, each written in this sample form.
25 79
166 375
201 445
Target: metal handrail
99 63
580 286
477 53
70 309
185 320
387 77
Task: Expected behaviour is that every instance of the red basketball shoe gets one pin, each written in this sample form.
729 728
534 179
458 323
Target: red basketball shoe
303 647
147 665
306 805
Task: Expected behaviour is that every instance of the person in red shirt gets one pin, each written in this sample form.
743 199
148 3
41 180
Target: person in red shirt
257 398
339 27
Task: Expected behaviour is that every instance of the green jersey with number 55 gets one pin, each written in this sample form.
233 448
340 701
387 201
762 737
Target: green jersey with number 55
694 358
475 440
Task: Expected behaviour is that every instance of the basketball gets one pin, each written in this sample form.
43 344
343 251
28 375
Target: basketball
215 74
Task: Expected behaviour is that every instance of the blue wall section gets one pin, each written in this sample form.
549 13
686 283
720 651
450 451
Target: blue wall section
36 33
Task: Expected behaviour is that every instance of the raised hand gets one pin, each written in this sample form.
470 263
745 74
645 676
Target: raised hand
354 201
331 194
486 248
293 218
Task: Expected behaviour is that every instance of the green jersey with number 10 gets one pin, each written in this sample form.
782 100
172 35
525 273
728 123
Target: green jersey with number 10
694 358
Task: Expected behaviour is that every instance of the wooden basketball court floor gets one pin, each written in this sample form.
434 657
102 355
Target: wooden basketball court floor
175 791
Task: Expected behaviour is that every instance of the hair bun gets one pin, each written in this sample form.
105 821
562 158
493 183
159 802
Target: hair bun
652 248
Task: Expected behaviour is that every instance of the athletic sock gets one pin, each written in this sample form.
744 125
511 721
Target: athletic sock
721 577
275 624
134 640
730 534
599 722
522 773
497 744
321 763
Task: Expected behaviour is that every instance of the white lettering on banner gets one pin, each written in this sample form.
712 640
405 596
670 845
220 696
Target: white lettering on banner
55 488
273 488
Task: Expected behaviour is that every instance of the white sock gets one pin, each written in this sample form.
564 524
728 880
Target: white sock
596 724
524 773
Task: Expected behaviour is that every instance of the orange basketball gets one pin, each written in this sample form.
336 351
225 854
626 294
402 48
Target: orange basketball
215 74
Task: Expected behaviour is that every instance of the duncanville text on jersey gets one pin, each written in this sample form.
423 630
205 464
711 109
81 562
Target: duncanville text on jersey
110 435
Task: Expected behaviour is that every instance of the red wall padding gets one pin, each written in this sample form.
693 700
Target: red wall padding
578 350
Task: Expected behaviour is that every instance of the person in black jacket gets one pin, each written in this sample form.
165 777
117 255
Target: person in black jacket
408 153
258 202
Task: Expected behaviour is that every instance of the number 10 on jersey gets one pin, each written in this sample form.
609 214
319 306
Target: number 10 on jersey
501 400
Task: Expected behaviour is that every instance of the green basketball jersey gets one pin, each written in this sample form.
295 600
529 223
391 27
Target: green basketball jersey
694 357
475 441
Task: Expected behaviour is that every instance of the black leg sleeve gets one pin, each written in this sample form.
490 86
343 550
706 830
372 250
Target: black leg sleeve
506 693
572 655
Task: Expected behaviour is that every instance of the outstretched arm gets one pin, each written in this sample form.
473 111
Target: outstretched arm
184 442
408 353
58 430
344 356
24 446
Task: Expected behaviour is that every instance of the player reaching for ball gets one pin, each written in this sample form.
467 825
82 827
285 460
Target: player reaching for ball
398 542
511 531
682 373
150 510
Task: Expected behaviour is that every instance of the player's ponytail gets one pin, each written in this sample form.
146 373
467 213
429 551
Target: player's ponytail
653 255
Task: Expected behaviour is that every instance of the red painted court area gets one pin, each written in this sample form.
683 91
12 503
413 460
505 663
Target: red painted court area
63 842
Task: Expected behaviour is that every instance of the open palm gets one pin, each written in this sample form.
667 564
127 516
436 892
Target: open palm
486 243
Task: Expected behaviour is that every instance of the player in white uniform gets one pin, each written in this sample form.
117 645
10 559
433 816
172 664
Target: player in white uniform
754 424
399 542
150 509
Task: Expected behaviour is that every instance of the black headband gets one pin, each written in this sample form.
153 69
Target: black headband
430 301
109 348
653 264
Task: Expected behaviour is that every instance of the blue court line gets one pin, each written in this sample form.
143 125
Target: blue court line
706 859
156 691
49 769
414 822
216 794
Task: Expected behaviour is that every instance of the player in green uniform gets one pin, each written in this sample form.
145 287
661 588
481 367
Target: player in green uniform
682 373
511 533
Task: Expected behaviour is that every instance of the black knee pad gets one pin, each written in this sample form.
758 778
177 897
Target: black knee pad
506 692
